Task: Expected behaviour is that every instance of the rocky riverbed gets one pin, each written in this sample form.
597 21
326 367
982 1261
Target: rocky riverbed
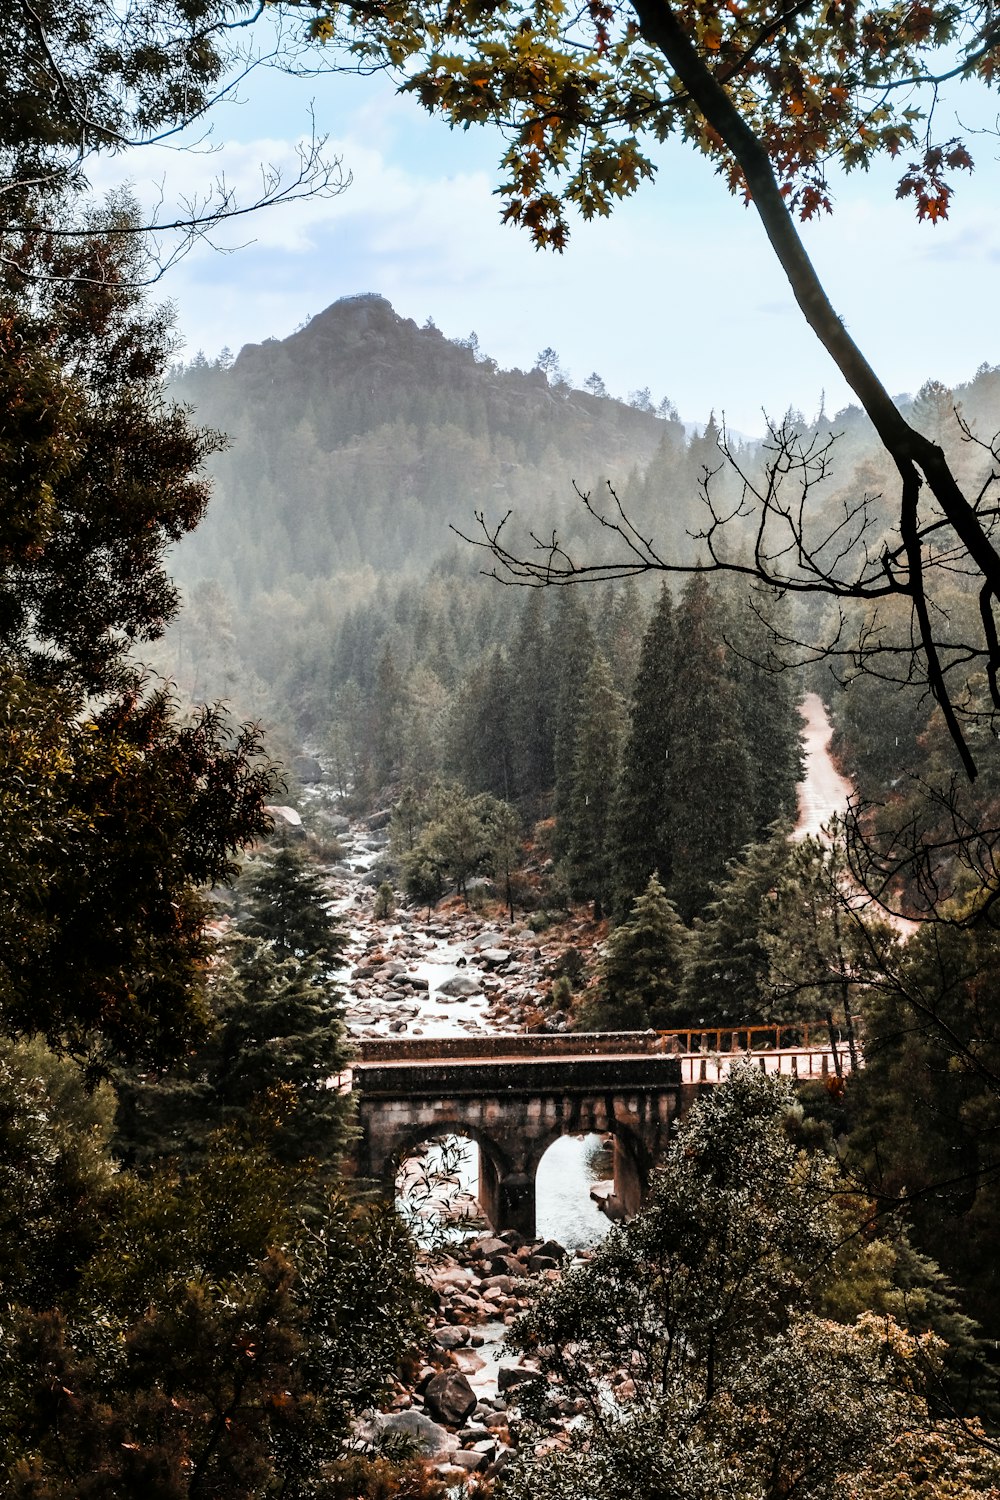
447 972
456 972
461 1409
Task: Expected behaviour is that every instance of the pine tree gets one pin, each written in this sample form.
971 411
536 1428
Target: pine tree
480 732
572 650
587 812
640 818
387 716
531 710
728 978
279 1045
265 1074
642 966
711 775
768 708
288 905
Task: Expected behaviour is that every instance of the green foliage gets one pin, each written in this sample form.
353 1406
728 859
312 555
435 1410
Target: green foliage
925 1111
587 804
641 969
640 818
384 908
711 776
118 809
264 1075
218 1345
285 902
704 1316
446 837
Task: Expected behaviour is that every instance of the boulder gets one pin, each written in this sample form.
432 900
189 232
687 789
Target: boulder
380 819
467 1459
487 940
285 818
494 957
451 1337
449 1398
431 1439
487 1246
307 768
510 1375
461 986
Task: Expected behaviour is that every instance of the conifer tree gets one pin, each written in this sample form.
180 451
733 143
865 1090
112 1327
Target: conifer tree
643 962
768 708
288 905
640 818
728 978
587 812
572 649
482 743
279 1045
531 705
711 774
265 1075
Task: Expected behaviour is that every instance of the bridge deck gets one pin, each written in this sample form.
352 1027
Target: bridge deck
599 1061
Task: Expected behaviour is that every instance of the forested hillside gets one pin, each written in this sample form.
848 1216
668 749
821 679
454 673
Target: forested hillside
360 438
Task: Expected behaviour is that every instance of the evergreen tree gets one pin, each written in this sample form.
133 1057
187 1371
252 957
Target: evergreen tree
531 709
641 969
482 743
621 636
572 650
641 814
711 775
769 713
387 717
287 903
587 811
279 1044
265 1075
728 979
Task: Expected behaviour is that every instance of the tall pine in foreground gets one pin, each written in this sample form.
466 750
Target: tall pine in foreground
640 818
641 969
287 904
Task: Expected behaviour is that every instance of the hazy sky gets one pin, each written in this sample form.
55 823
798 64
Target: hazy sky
678 291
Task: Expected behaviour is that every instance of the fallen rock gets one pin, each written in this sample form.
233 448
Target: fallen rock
451 1337
509 1376
467 1459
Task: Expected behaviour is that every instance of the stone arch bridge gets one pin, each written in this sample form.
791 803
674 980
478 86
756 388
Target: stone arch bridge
516 1094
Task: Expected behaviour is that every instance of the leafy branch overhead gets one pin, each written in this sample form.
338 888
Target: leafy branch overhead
584 92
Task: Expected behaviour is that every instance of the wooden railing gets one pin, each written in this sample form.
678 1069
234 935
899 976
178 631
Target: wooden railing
799 1036
797 1062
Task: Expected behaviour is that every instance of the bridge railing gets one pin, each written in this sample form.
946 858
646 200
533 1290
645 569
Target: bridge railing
798 1036
796 1062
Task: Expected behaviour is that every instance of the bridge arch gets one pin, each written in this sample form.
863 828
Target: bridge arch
494 1164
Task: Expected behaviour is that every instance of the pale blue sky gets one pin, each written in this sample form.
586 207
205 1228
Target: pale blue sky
678 291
